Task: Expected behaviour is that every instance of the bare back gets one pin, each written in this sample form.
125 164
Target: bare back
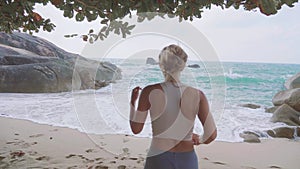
173 108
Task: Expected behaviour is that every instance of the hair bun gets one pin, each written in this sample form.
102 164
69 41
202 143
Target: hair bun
172 59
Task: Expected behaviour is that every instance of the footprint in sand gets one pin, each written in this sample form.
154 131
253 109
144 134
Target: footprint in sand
17 142
101 167
140 160
133 158
205 158
121 167
32 153
84 158
97 159
43 158
274 166
79 156
89 150
17 154
73 167
220 163
125 140
70 155
1 158
36 135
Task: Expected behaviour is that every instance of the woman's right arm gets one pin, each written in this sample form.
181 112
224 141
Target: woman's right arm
206 118
138 116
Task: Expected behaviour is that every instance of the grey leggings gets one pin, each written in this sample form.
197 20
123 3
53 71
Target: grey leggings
173 160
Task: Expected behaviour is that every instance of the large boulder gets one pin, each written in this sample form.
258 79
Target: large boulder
293 82
282 132
32 65
286 114
25 43
38 77
290 97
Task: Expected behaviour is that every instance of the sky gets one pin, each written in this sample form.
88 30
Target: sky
235 35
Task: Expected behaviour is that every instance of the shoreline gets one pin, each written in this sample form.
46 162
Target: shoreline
29 144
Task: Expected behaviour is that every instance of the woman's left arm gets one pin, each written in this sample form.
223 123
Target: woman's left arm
138 117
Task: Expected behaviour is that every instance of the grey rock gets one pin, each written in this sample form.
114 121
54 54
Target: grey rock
286 114
271 109
194 66
37 78
252 133
293 82
29 64
250 137
151 61
33 44
290 97
282 132
250 105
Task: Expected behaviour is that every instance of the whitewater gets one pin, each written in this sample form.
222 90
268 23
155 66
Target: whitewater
106 111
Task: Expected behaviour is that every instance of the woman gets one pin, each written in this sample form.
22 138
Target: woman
173 109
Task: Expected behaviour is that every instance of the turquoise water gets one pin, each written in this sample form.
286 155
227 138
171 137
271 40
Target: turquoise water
253 83
227 86
107 110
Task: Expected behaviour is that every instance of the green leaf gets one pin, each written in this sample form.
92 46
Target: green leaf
267 7
104 21
130 27
103 28
140 18
91 40
117 31
289 2
79 16
229 3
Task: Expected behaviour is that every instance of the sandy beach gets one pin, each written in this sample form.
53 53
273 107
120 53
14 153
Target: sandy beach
24 144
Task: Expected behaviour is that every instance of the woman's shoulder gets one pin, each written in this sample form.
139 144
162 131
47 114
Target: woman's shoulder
194 90
191 88
153 86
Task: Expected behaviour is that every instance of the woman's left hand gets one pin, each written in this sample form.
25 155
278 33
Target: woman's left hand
135 94
196 139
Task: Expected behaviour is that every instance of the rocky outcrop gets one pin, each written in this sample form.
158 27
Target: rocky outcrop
288 103
293 82
151 61
250 105
194 66
290 97
279 132
29 64
286 114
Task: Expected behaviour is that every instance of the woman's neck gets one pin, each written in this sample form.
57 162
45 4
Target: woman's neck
174 77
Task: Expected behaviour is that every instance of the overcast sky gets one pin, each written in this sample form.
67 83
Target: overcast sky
236 35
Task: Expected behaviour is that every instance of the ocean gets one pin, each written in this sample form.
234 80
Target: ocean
105 111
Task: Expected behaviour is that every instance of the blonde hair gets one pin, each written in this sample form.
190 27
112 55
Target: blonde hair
172 60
